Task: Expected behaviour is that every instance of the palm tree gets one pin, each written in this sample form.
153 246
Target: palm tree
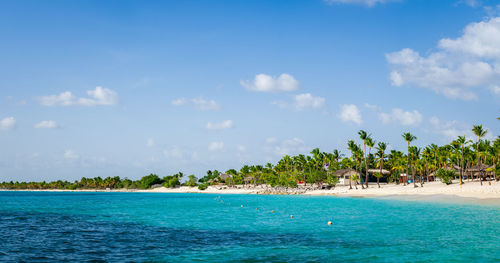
408 137
395 159
462 142
479 132
370 143
336 156
351 145
415 157
364 137
382 146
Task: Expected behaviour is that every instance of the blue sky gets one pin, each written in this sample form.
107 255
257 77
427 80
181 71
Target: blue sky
106 88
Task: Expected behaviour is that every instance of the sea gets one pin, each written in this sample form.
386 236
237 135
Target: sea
166 227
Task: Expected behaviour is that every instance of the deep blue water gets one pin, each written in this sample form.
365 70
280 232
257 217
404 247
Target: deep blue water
138 227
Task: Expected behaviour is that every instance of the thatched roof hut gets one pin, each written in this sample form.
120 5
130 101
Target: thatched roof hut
374 171
480 168
224 177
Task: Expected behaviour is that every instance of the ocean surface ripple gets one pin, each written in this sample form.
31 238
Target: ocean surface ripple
142 227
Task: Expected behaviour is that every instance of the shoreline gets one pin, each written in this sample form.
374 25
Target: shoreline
468 193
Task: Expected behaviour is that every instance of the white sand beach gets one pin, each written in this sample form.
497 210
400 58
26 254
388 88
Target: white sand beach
468 189
429 192
469 192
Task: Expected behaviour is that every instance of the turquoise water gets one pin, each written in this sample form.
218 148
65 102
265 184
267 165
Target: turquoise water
132 227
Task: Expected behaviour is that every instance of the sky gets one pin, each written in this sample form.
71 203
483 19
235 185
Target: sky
128 88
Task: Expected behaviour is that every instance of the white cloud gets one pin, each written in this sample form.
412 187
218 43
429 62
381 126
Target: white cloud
8 123
350 112
450 130
179 102
495 90
220 125
195 156
368 3
492 11
199 103
372 107
203 104
150 142
460 65
479 39
301 102
174 152
241 148
216 146
70 155
306 100
407 118
46 125
472 3
266 83
99 96
280 104
271 140
288 146
63 99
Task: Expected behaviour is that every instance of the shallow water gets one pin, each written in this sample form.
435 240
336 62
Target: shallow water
63 226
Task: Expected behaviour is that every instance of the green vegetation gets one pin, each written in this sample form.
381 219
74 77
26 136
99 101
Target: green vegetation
149 180
192 180
461 158
202 186
445 175
173 180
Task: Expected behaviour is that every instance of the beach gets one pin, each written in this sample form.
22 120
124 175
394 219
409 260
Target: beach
469 192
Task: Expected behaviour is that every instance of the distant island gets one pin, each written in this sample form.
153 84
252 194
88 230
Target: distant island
460 162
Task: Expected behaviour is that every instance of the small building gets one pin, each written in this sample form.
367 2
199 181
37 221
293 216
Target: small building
224 177
403 178
345 175
482 170
373 178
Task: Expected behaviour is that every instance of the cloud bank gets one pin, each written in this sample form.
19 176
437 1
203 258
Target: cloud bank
458 67
267 83
98 96
350 113
8 123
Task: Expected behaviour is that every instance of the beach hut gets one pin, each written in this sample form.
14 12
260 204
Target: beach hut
374 171
373 178
344 175
224 177
482 170
403 177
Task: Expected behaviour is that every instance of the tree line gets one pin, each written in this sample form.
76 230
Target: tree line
318 168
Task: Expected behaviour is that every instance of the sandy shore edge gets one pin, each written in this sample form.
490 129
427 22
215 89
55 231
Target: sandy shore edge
468 193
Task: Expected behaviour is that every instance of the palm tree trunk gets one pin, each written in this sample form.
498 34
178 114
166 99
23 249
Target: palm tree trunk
462 166
426 172
366 169
413 176
407 165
